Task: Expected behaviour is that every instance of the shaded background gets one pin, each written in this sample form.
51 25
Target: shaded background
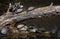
27 3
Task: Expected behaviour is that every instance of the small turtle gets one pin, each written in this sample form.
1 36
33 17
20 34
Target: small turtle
18 8
33 30
4 30
20 26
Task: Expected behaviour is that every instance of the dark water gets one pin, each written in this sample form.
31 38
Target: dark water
46 38
27 3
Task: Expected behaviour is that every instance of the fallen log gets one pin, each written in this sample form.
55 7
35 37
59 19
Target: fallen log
39 12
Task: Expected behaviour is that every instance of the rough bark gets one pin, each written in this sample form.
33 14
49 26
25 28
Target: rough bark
39 12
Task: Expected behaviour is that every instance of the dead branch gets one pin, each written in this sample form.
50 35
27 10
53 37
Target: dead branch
39 12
